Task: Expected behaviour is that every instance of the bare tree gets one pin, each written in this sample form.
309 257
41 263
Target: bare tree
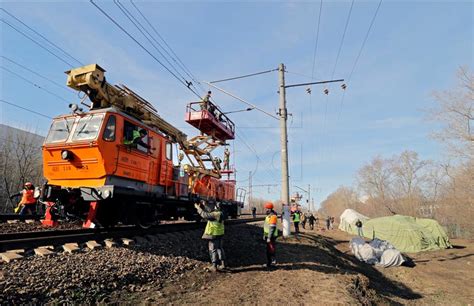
375 180
20 161
455 110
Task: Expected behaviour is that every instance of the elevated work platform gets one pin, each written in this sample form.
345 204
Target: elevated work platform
210 120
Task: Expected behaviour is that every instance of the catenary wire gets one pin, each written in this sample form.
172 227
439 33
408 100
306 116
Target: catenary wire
37 74
34 84
359 54
37 43
42 36
143 47
342 39
181 64
141 28
25 109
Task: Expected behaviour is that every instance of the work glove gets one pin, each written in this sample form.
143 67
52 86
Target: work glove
264 238
269 240
197 206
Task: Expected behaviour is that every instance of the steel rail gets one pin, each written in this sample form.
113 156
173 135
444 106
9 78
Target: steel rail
29 240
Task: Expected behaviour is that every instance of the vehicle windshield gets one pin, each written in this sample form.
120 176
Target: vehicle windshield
60 130
88 127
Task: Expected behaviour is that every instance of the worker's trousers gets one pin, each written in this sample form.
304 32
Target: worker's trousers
216 250
359 232
297 227
271 251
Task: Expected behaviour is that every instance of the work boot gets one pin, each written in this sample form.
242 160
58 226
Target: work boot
213 268
223 267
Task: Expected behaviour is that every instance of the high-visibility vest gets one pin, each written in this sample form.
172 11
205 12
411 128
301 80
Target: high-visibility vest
215 228
135 136
28 197
266 225
296 217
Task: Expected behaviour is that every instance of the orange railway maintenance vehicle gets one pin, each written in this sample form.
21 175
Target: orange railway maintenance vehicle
95 168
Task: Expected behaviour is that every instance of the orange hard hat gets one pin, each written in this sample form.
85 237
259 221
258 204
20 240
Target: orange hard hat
269 205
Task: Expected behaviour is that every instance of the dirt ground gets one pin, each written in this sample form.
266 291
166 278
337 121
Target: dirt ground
318 268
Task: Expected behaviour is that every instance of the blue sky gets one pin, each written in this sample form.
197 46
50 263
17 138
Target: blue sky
414 48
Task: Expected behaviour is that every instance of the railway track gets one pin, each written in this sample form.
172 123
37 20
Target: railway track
30 240
7 217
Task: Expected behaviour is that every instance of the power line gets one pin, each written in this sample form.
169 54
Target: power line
342 39
359 54
37 74
141 28
58 47
25 109
37 43
365 39
244 76
183 66
145 49
34 84
317 38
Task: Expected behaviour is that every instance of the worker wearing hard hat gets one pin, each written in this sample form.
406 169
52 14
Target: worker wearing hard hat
27 204
270 233
214 232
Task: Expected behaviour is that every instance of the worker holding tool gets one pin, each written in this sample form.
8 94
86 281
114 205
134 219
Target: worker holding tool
214 232
27 204
270 234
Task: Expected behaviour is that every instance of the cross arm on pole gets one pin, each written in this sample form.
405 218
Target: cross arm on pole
314 83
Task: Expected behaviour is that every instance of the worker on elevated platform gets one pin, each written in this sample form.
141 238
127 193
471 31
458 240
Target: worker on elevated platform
206 100
214 233
226 159
270 234
27 205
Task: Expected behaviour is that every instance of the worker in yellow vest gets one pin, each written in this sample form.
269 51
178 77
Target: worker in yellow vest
214 232
296 221
270 234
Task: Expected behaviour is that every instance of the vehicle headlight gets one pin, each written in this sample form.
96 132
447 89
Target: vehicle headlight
67 155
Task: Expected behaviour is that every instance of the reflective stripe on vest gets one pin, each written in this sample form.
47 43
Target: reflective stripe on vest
296 217
28 197
135 136
266 226
215 228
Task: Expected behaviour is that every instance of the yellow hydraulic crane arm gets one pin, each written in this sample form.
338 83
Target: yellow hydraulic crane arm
91 80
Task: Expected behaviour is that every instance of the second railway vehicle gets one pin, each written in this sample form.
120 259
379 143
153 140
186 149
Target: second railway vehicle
114 161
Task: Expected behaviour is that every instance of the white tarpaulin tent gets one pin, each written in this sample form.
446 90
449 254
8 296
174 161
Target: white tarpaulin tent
348 220
377 252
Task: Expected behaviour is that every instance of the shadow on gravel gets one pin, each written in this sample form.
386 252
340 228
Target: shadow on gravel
245 251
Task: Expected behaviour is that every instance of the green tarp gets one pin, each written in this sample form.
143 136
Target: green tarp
407 234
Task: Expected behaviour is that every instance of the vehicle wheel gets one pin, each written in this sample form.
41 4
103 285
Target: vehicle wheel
145 216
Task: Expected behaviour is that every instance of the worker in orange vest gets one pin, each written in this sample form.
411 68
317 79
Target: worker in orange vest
270 234
27 204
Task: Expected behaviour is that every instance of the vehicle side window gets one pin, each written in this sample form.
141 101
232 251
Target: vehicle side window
169 151
130 132
109 131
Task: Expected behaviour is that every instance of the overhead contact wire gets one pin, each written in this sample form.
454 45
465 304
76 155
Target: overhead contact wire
42 36
25 109
181 64
138 43
37 43
34 84
141 28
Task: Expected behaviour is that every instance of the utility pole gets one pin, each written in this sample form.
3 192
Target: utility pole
285 180
250 190
309 198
